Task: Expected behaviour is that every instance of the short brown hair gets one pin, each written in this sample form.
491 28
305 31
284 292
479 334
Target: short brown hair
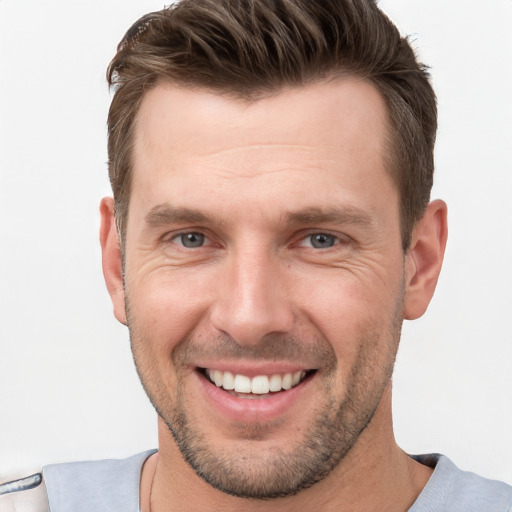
251 48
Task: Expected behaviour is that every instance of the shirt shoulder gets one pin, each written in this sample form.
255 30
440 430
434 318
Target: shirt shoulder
101 485
450 488
24 495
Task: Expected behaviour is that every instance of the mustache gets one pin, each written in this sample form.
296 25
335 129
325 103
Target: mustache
314 352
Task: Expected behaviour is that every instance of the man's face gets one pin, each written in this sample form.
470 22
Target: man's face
262 247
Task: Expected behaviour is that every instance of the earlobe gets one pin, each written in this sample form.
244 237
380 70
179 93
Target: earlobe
424 259
111 258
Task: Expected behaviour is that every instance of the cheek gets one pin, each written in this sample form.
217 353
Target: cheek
349 310
164 310
341 303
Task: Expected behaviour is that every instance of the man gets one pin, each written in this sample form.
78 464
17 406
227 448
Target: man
271 163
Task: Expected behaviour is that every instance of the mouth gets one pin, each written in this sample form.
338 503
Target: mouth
257 387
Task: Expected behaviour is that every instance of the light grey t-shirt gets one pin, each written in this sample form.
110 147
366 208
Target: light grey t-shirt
452 490
113 486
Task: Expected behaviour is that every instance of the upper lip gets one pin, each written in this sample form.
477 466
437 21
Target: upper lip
253 369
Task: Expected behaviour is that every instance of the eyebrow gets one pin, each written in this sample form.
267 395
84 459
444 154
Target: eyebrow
163 214
166 214
342 215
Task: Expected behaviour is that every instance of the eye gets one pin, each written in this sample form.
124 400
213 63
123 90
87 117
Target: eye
190 240
320 241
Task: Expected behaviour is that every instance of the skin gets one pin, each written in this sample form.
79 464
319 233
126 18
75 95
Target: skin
260 179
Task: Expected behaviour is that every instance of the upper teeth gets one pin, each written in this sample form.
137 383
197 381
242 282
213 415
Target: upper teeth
260 384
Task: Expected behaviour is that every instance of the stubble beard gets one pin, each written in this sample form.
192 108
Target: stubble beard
248 471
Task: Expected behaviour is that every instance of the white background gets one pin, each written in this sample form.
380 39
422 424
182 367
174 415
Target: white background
68 389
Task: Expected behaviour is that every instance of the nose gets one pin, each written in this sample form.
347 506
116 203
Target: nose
252 300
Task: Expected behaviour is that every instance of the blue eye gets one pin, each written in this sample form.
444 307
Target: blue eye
191 240
322 240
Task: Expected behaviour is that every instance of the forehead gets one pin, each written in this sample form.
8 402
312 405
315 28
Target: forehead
297 139
321 110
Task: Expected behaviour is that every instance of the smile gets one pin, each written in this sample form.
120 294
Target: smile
245 393
243 386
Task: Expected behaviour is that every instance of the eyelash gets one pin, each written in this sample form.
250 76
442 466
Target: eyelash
337 240
179 236
310 237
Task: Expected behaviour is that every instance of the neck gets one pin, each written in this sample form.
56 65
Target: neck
375 475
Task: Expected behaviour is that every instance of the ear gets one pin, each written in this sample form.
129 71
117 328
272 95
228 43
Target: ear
111 258
424 259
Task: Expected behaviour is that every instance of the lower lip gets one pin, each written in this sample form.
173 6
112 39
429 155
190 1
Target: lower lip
248 410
